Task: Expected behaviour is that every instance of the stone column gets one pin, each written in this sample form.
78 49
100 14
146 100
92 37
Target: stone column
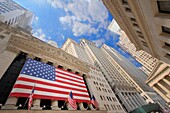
69 107
54 104
36 104
11 103
91 107
81 106
6 58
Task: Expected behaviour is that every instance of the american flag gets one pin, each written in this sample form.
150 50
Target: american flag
31 98
51 83
94 102
72 101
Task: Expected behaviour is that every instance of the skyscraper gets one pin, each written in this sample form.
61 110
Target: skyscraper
137 76
148 62
15 15
99 86
116 77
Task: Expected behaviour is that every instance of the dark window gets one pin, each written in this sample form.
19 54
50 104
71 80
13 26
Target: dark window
139 32
141 36
128 9
144 43
37 59
168 54
167 44
61 67
124 2
49 63
132 19
2 37
164 6
136 25
69 70
166 29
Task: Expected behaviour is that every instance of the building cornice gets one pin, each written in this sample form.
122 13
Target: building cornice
45 51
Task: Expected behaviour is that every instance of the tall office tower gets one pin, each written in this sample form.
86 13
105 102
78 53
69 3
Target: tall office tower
137 76
116 77
99 87
146 24
141 56
15 15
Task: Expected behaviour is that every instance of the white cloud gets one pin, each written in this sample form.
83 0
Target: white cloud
36 18
99 42
82 15
40 35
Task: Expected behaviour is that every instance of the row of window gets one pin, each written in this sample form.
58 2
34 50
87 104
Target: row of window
107 98
14 20
113 107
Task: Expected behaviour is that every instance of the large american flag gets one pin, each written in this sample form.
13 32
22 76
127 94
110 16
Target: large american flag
51 83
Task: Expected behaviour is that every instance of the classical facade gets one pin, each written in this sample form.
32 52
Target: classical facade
15 15
136 76
159 80
99 85
146 23
116 77
15 47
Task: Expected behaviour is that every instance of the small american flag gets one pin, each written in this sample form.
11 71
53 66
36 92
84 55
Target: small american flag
94 102
31 98
72 101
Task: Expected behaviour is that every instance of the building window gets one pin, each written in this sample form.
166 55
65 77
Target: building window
128 9
135 25
166 44
166 29
2 37
133 20
163 6
124 2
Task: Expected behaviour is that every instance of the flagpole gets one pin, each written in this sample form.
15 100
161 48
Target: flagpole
26 102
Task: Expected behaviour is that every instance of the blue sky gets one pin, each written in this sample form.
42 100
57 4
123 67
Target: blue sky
58 20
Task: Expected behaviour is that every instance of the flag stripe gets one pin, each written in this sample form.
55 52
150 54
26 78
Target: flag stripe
37 80
54 86
21 86
69 78
68 73
69 81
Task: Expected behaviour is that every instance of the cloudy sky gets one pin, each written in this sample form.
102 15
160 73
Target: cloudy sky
58 20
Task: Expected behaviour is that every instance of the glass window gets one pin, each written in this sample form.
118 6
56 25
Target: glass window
164 6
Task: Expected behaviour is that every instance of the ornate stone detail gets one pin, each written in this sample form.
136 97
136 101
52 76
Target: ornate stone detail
45 51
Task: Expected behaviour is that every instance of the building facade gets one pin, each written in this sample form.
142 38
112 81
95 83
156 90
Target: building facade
138 78
16 47
116 77
159 80
15 15
146 24
99 86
